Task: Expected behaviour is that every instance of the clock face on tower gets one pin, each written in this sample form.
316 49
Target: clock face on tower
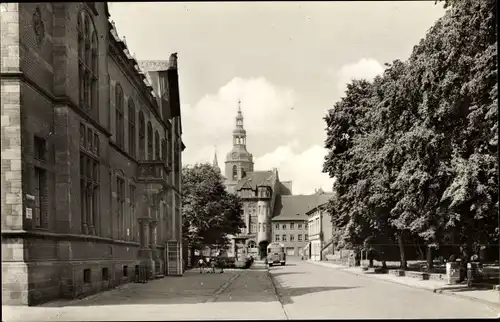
234 154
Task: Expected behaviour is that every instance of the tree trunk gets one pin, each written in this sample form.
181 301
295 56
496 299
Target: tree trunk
430 257
192 257
403 263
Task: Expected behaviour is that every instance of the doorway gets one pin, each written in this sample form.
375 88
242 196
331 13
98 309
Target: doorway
263 249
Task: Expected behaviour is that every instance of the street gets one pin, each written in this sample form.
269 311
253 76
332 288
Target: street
304 291
314 292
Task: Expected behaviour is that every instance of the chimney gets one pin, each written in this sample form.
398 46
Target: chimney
173 87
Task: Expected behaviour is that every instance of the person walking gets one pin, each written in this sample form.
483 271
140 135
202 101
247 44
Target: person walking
220 262
201 263
207 263
213 263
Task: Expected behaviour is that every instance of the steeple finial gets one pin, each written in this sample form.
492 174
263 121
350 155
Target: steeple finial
239 105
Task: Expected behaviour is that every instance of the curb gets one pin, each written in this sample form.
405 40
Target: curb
433 290
275 291
475 299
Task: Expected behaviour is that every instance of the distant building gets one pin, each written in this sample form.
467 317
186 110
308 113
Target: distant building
320 232
91 155
270 211
290 223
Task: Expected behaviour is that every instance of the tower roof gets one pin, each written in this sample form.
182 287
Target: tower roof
215 162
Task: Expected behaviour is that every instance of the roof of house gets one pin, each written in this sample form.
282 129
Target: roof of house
257 178
296 207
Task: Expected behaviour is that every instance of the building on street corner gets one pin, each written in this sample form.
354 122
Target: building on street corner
290 223
320 232
91 155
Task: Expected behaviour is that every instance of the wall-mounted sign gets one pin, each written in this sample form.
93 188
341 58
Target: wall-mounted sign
128 231
29 213
30 197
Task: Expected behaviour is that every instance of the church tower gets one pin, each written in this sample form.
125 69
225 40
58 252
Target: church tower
238 161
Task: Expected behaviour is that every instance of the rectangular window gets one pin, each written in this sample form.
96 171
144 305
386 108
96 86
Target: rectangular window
292 226
120 184
277 226
284 238
87 276
292 238
125 271
82 135
254 228
283 227
277 238
299 237
131 224
96 144
105 274
299 226
39 147
89 139
306 237
40 197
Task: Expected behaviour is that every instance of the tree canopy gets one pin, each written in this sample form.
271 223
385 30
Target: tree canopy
209 212
414 152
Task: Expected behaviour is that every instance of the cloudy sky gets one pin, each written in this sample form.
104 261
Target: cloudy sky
288 62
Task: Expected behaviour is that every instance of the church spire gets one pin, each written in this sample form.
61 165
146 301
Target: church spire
215 162
239 133
239 117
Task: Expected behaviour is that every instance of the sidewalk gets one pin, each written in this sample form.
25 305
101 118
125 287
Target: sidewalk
489 297
126 301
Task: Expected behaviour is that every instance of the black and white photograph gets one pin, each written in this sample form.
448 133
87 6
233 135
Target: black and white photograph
249 160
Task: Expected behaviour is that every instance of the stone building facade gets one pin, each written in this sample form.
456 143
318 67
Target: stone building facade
320 232
91 155
290 221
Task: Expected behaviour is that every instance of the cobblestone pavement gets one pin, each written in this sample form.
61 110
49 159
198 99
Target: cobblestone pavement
312 292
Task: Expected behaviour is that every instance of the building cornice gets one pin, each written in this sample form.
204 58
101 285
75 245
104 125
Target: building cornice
138 79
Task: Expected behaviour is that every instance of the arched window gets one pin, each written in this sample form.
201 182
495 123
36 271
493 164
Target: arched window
88 53
157 145
131 128
235 173
150 141
119 131
164 150
142 136
169 146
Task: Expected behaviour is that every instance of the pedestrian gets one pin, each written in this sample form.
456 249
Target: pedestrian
207 263
220 262
201 263
212 265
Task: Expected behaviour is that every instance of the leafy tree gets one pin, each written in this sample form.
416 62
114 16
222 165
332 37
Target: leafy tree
210 213
414 151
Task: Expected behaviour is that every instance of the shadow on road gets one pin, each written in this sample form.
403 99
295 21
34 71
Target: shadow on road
287 273
286 293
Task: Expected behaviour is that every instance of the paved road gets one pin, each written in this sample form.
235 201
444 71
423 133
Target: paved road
231 295
304 291
308 291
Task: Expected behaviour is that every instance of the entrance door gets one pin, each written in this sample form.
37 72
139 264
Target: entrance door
290 251
263 249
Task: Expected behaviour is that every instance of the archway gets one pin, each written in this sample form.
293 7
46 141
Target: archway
263 249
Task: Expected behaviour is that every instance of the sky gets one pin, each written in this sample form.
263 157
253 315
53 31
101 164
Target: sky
288 63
